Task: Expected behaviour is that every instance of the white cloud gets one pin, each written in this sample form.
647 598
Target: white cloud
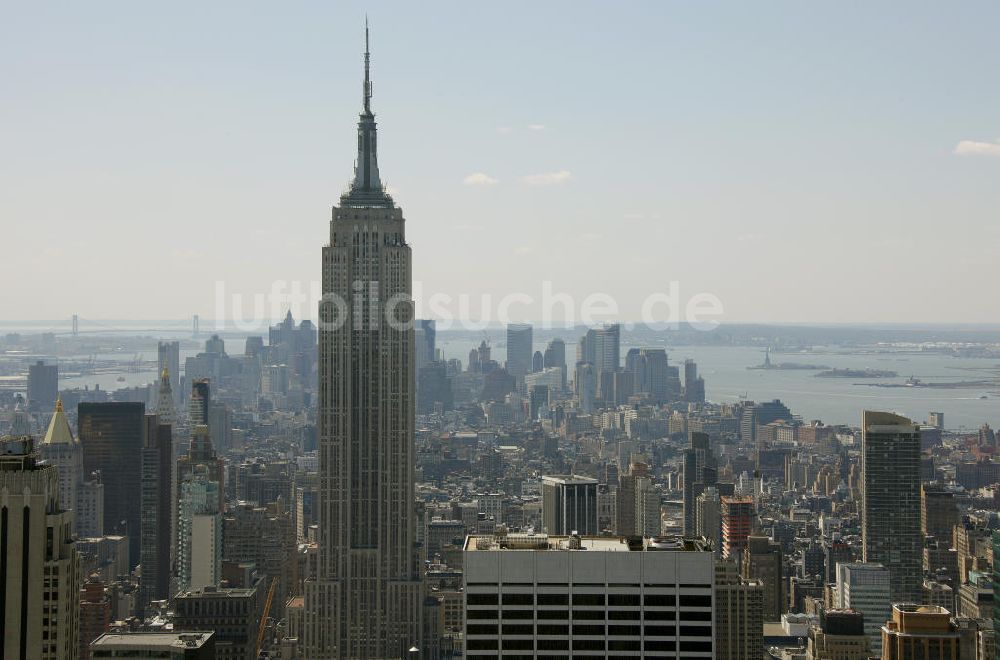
973 148
547 178
524 249
480 179
503 130
591 236
536 127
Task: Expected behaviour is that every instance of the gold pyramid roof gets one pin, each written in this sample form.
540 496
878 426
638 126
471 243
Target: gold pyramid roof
58 432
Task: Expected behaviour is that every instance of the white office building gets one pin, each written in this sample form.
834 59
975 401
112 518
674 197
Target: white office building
599 597
865 588
200 532
551 377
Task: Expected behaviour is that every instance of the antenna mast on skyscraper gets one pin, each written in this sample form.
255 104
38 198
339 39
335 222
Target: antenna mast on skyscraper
367 91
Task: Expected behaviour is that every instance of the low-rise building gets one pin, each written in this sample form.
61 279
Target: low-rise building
840 635
921 632
233 614
158 646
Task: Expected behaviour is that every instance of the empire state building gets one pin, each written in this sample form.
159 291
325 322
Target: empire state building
365 600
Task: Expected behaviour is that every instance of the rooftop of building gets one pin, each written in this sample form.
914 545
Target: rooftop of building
17 454
218 592
535 541
874 421
568 479
145 640
915 608
774 629
841 612
864 566
58 432
913 620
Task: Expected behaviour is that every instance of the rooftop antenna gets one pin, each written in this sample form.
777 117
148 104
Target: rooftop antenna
367 92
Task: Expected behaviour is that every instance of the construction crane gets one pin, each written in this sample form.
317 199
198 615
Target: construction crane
264 615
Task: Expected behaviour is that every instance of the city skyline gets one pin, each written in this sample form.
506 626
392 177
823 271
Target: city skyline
771 142
381 473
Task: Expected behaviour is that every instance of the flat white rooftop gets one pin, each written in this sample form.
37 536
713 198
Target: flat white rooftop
143 640
516 541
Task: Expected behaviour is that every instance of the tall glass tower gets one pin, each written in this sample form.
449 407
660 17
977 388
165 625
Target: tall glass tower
365 601
890 501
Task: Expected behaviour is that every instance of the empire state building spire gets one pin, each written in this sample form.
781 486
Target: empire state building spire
366 189
366 598
366 94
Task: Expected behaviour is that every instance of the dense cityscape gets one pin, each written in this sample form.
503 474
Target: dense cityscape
368 484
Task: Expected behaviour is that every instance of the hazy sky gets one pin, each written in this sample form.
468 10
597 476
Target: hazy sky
801 161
